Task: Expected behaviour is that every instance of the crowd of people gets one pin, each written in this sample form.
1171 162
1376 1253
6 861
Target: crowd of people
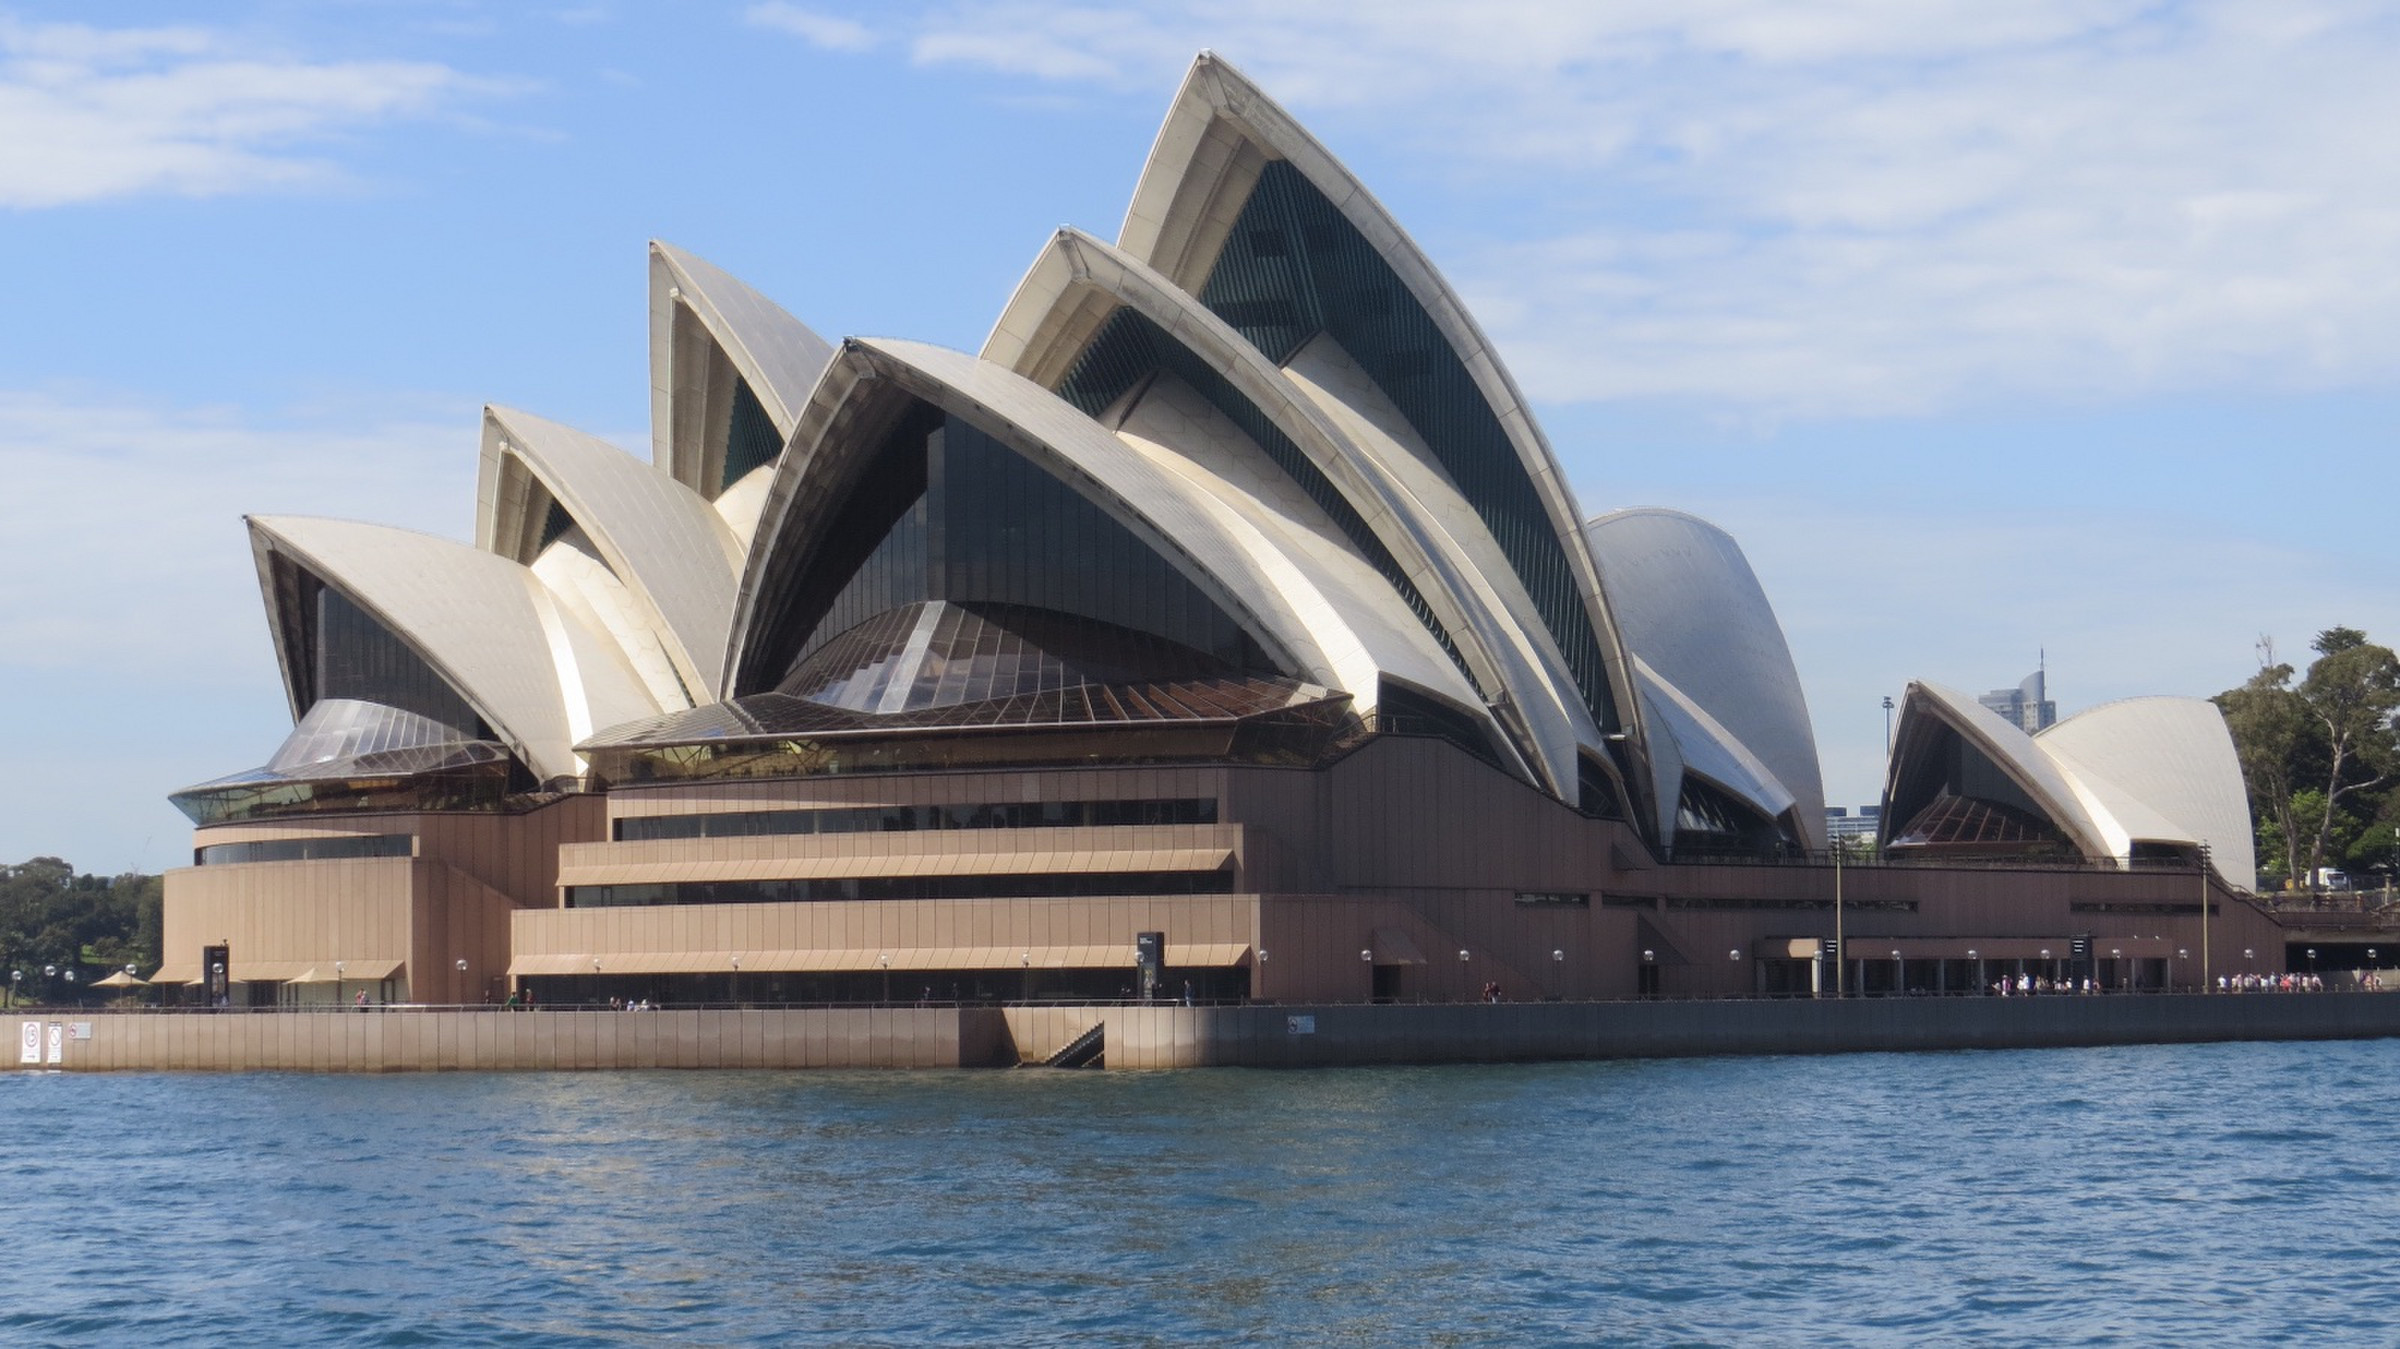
2285 983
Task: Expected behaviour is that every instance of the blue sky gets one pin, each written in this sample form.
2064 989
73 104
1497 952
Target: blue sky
1988 329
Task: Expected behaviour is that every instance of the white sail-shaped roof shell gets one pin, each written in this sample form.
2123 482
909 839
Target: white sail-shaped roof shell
536 675
1074 287
706 326
1218 137
2162 770
1703 746
674 558
1694 614
1171 512
2139 771
1351 616
2009 750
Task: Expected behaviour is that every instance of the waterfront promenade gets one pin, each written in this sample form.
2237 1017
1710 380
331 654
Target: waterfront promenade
1132 1036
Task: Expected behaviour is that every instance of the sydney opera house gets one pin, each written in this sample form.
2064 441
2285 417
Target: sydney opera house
1225 628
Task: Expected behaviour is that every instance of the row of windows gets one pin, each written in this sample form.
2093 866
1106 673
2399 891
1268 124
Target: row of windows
1770 905
1043 885
315 849
910 819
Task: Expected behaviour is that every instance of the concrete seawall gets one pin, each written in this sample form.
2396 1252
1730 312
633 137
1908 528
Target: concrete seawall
1159 1037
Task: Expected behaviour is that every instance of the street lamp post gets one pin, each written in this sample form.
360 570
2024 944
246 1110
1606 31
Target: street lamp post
1837 910
1976 955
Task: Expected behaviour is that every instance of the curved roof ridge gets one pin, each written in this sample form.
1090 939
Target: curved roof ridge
481 622
2175 758
1158 507
2011 751
1692 609
777 355
1182 207
1050 320
1720 756
662 540
1353 615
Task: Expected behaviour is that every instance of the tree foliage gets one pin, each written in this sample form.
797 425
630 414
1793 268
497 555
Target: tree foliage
2320 756
52 918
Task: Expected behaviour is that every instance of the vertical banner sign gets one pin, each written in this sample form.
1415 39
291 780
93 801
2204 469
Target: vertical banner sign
29 1042
58 1042
1150 956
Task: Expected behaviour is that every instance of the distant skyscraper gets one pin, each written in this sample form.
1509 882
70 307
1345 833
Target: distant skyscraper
1841 824
2028 705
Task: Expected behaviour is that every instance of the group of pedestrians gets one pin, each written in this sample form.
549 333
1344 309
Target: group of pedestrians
2282 983
2027 985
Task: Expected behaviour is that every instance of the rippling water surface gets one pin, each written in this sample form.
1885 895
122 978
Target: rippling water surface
2218 1193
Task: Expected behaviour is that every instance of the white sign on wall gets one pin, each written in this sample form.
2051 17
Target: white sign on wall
79 1030
1299 1025
29 1042
58 1042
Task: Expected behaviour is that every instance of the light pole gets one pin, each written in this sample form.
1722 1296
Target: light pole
1976 955
2204 907
2116 966
1837 910
1887 734
1899 974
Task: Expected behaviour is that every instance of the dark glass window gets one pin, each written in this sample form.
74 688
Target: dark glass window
554 524
1292 267
751 439
317 848
981 525
886 819
359 658
1037 885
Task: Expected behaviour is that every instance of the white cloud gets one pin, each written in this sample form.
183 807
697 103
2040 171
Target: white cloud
819 30
89 113
136 514
1846 206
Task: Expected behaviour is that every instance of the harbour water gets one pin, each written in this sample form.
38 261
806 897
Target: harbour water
2231 1193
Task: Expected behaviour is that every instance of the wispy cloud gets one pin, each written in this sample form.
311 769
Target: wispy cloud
91 113
136 510
1846 206
820 30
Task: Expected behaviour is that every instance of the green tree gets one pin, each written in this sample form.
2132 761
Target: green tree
2351 693
51 917
2319 757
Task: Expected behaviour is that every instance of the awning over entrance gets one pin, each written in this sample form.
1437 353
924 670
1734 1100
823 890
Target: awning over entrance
285 972
882 865
351 972
1190 955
